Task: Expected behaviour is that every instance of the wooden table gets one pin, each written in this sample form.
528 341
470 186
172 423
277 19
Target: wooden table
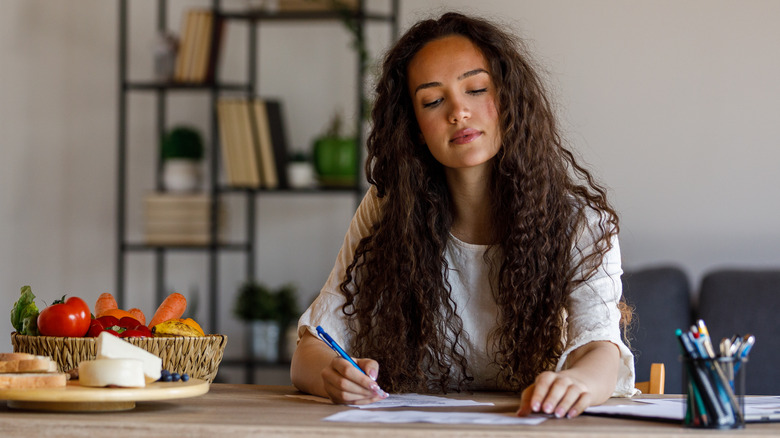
228 411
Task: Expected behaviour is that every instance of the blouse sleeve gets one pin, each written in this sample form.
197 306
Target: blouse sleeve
326 308
592 310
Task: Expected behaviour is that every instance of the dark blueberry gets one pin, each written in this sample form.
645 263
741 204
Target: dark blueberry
185 377
166 378
175 377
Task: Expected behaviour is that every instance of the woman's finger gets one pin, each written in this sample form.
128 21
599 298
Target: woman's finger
554 394
583 402
570 397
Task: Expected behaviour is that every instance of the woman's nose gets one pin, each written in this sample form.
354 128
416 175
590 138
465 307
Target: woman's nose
459 111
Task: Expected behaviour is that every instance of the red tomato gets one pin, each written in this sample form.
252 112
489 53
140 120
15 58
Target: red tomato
69 318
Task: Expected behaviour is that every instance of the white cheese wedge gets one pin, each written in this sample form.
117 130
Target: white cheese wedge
112 347
128 373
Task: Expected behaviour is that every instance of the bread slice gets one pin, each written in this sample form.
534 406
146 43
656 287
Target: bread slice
24 363
32 380
16 356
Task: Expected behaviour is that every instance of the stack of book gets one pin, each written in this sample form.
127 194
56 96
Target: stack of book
253 142
199 44
178 219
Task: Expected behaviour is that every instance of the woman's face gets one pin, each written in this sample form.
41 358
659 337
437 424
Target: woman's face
454 100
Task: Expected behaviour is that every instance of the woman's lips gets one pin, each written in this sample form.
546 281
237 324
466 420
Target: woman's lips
465 136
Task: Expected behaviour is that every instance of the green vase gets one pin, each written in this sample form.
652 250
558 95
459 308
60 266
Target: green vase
335 160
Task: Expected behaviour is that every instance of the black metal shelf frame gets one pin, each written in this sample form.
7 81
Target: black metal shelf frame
216 189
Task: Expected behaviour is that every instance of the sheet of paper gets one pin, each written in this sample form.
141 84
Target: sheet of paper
404 400
419 401
756 408
358 416
667 409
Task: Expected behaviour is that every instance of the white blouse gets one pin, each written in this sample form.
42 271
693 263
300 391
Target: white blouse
591 311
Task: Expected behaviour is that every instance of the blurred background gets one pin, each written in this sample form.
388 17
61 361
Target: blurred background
673 105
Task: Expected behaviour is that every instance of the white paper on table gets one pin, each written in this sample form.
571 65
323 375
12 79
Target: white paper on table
667 409
403 400
357 416
756 408
419 401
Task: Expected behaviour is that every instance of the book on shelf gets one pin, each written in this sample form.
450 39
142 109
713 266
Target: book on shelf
215 48
253 142
227 142
199 46
265 153
278 140
186 41
237 143
179 219
200 42
247 142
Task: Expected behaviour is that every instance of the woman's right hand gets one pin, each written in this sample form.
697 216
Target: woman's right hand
345 384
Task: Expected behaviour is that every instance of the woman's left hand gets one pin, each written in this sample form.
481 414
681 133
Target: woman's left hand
589 381
554 393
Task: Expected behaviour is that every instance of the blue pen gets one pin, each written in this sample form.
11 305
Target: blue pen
332 344
337 348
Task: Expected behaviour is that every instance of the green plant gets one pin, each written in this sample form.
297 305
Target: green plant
335 128
182 142
256 301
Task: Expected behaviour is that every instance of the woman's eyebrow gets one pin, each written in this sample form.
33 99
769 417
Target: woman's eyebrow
468 74
476 71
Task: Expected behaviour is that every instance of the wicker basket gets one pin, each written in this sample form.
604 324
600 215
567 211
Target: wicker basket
197 356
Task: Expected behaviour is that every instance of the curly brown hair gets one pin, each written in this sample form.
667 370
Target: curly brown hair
397 300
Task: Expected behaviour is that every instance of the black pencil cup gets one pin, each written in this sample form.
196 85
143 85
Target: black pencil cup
714 392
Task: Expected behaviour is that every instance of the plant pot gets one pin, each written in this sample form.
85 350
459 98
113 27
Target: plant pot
265 340
335 160
300 175
181 175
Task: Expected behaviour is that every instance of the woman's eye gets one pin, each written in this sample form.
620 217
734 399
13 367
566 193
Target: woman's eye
431 104
479 91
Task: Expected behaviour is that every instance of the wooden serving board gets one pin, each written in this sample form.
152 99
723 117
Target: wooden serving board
76 398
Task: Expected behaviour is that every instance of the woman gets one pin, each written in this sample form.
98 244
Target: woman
483 256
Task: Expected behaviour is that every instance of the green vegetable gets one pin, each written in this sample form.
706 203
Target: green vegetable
24 314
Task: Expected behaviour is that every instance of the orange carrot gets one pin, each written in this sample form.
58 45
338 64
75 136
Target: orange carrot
138 315
104 302
118 314
172 307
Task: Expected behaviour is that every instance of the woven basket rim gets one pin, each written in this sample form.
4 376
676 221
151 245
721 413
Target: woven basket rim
175 351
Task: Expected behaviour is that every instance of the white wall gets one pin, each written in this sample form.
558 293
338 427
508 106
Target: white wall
673 104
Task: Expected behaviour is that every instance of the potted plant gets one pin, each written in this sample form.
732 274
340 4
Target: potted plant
181 153
268 313
300 172
335 156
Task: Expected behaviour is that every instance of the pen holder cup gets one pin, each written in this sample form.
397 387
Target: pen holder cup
714 392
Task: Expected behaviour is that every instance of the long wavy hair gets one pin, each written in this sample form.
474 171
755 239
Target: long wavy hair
397 298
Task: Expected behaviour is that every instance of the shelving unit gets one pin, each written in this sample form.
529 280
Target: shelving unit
217 189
